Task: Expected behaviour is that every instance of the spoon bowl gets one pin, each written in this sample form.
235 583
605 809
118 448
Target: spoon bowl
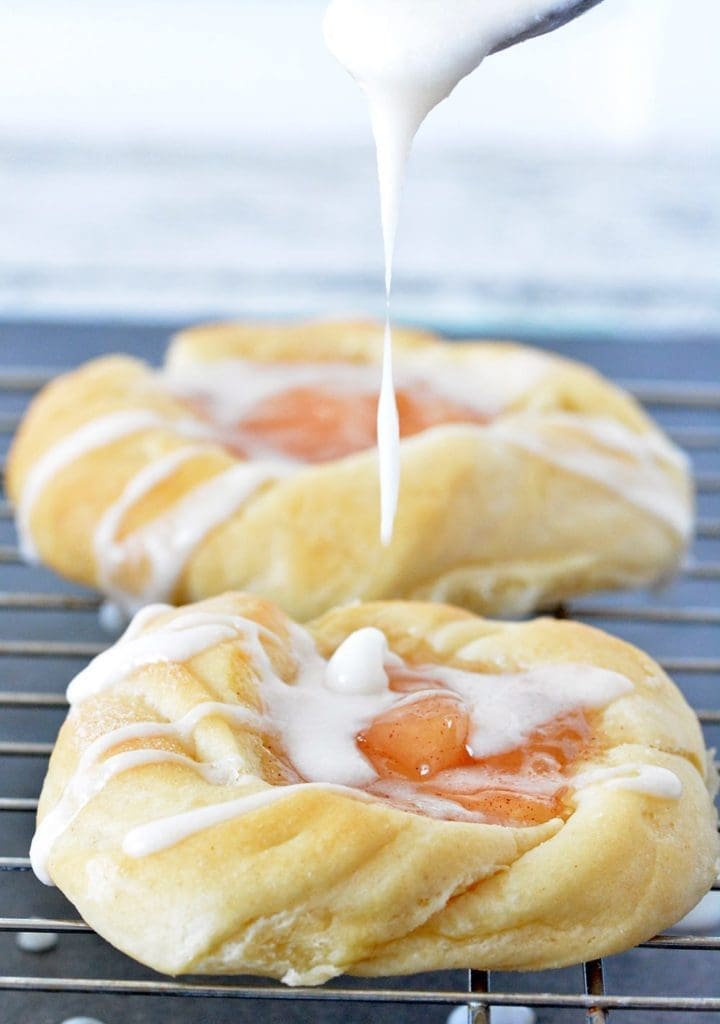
559 13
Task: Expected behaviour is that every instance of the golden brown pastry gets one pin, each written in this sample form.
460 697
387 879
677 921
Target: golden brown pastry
398 787
249 463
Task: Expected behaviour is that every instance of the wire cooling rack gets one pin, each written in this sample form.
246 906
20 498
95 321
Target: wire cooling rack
49 629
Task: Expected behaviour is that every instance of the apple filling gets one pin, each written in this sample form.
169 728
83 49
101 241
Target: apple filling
311 424
425 743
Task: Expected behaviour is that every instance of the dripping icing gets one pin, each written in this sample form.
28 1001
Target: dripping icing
388 432
407 56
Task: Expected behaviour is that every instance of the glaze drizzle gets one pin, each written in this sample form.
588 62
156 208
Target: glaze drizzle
146 565
316 718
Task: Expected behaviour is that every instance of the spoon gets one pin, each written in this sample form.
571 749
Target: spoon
560 13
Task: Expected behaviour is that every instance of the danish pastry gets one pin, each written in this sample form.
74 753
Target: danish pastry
248 463
397 787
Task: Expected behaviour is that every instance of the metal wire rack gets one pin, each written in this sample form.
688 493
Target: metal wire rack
48 629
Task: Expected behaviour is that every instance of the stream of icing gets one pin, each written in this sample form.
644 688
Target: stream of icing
487 380
407 56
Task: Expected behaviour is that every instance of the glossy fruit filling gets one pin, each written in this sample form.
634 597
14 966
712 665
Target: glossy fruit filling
315 426
425 742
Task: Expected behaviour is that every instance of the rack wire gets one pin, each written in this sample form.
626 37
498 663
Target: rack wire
31 601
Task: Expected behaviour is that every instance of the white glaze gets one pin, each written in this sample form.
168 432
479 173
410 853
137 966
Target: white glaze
142 619
317 726
83 786
92 774
487 381
633 465
108 551
359 663
181 638
630 464
649 779
506 709
181 730
233 388
467 780
407 56
165 832
233 714
89 437
388 433
316 716
97 433
411 797
162 546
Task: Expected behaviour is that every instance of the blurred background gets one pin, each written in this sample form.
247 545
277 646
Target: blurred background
166 160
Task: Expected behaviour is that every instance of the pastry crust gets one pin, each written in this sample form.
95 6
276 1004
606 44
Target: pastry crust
569 489
320 883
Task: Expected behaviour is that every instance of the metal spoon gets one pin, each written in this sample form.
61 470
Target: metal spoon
560 12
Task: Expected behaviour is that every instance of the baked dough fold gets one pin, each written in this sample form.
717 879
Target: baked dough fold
321 882
565 487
